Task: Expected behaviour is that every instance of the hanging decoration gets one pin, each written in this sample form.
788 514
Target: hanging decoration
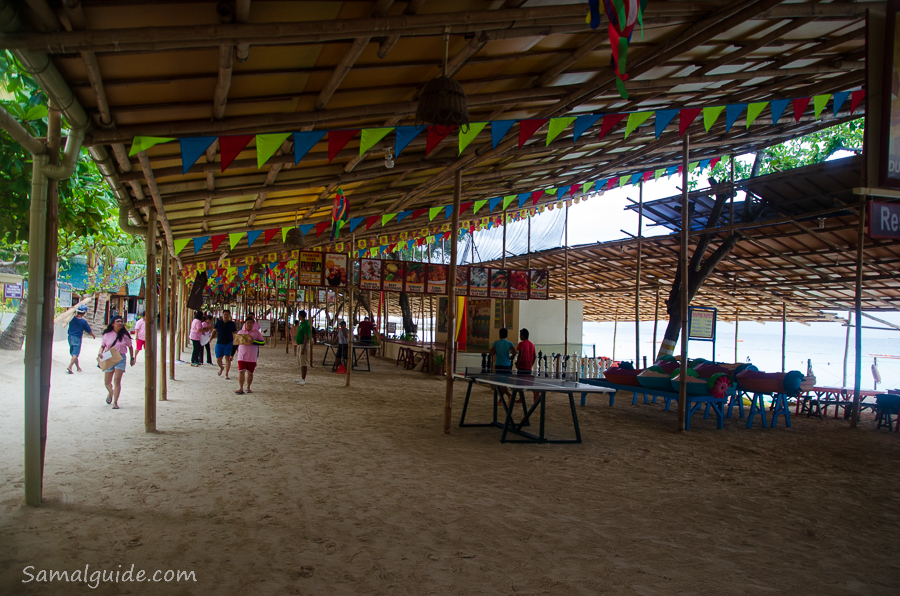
623 15
339 213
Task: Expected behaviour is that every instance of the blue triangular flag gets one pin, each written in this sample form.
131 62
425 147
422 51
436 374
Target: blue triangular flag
400 216
562 190
839 99
191 150
210 273
732 113
663 118
499 128
363 252
524 197
304 229
704 164
448 211
252 236
671 170
778 106
635 178
494 202
199 242
304 141
405 134
582 123
241 270
355 221
490 223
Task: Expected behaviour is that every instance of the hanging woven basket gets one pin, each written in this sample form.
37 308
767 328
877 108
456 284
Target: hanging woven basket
294 238
443 102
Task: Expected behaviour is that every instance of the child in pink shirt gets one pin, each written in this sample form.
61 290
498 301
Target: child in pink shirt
247 356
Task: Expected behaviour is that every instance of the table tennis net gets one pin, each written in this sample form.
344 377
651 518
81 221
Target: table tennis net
551 377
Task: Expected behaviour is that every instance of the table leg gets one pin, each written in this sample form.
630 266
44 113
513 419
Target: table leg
757 407
574 416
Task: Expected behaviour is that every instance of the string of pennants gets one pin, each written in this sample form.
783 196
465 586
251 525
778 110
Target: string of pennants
230 146
595 187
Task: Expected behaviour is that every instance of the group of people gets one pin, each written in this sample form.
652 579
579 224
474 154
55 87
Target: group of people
205 328
505 355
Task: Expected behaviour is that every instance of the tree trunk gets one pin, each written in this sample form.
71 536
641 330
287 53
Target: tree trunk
13 337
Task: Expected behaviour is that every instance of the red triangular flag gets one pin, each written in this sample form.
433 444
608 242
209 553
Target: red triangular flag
321 227
799 107
529 127
231 147
609 121
269 234
337 139
536 196
648 175
217 240
446 235
714 161
576 188
612 182
370 221
680 169
855 98
416 213
463 207
686 117
436 134
392 247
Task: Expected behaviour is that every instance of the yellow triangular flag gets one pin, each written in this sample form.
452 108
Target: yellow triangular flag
710 115
819 103
557 125
370 136
635 119
467 137
267 145
233 239
143 143
754 110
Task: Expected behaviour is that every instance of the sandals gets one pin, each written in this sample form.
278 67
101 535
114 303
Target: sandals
109 399
248 391
239 392
69 371
115 407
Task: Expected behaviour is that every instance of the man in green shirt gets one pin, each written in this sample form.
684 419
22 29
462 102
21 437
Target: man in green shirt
302 339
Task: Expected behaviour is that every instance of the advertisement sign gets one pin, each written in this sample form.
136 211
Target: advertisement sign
265 327
415 278
370 274
282 293
499 283
65 299
392 328
889 154
540 285
518 285
701 323
479 279
437 279
310 269
335 270
12 291
884 220
392 276
462 281
292 295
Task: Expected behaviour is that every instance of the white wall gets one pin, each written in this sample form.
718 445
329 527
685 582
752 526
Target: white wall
544 320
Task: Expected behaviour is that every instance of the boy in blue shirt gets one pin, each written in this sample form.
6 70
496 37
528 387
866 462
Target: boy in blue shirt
503 352
77 327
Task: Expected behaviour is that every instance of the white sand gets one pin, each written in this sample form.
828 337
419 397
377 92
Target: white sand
324 489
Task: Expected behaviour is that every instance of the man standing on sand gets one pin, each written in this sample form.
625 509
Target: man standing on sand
224 334
365 332
302 339
77 327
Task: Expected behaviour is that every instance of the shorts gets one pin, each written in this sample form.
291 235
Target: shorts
303 355
250 367
120 365
224 350
503 369
74 345
140 345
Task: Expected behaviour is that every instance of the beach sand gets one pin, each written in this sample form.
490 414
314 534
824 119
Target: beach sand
324 489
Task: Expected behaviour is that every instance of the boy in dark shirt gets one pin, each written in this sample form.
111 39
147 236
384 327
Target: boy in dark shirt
224 333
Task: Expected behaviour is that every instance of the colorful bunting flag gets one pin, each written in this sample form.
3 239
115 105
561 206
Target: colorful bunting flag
230 147
217 240
370 136
582 123
732 113
528 127
267 145
523 197
355 221
609 121
778 106
663 118
658 173
478 205
400 216
305 229
284 233
404 135
561 192
143 143
710 115
557 126
179 244
587 187
799 107
234 238
268 235
494 202
499 128
856 98
635 119
436 134
252 236
467 137
819 103
448 211
507 200
418 213
432 213
463 207
839 99
754 110
371 220
387 217
337 140
685 117
321 227
304 141
191 150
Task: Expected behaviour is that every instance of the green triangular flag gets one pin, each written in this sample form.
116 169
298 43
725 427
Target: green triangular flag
143 143
478 205
659 172
635 119
557 125
370 136
284 233
180 243
693 165
819 103
233 239
587 187
433 212
467 137
710 115
550 191
387 217
754 110
267 145
623 180
508 200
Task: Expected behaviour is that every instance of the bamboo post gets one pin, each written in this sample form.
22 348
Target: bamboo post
163 323
655 321
173 315
450 346
502 265
615 331
860 249
566 284
350 325
685 295
847 345
637 283
150 328
783 333
737 320
528 249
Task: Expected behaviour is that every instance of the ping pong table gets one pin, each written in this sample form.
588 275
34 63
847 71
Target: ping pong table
518 384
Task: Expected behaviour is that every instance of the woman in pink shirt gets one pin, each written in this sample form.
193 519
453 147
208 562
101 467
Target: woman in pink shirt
198 328
116 337
140 334
247 355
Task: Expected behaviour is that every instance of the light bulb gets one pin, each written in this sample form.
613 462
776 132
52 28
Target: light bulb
388 159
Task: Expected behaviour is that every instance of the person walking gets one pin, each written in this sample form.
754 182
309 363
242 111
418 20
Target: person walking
224 335
301 341
77 328
140 334
248 355
342 339
525 357
206 337
116 337
365 331
196 334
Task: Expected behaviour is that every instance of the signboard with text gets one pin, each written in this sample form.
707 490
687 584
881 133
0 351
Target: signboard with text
702 323
884 220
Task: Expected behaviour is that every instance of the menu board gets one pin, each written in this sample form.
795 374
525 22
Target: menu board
292 295
437 279
282 293
415 277
462 281
311 271
479 279
335 270
499 283
370 274
518 284
540 285
392 276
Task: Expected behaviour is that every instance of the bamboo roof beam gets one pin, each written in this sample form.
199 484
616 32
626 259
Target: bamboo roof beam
242 15
160 210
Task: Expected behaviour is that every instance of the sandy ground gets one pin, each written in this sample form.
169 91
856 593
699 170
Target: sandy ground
324 489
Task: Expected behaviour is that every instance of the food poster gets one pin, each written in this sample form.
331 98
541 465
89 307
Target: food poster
540 284
478 323
292 295
499 283
310 266
282 293
478 282
443 305
415 277
370 274
518 284
392 276
462 281
335 270
437 279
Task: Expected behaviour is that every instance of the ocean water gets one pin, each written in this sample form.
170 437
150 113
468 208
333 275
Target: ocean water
822 343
